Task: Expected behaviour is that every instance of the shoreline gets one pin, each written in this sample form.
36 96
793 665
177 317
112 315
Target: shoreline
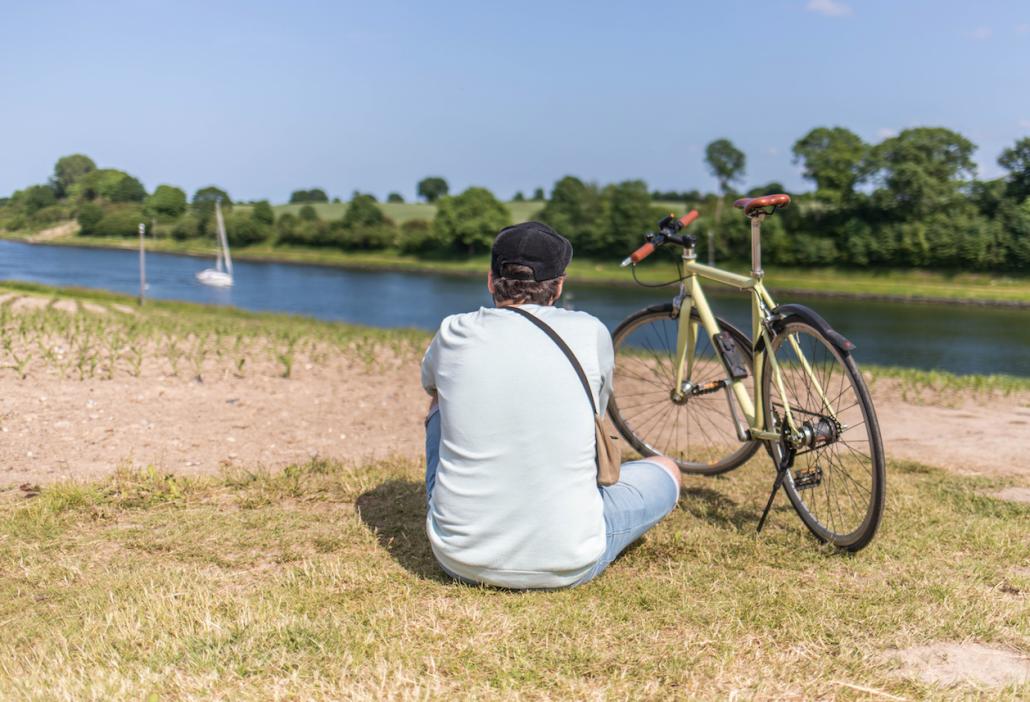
588 272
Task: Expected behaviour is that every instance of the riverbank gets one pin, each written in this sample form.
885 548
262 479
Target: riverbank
887 285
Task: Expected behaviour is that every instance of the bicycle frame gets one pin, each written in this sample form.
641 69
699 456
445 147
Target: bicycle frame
692 296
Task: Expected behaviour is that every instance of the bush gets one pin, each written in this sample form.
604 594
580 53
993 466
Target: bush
33 198
308 213
243 230
119 221
470 221
395 197
366 237
187 227
89 217
416 237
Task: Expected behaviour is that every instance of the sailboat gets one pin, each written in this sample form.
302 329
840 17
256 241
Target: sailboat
221 275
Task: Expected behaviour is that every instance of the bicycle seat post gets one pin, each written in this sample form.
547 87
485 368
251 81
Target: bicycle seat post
756 245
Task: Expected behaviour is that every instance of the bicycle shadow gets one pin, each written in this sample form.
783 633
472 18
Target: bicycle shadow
395 511
714 507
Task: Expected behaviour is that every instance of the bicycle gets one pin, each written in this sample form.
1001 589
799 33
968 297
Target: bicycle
811 409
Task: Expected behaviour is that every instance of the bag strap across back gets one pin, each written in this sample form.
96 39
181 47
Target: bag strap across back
563 346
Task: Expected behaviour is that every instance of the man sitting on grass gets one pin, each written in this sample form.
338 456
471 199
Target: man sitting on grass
511 476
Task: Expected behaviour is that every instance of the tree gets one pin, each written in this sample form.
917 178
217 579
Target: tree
832 158
307 213
628 213
362 212
1016 160
128 189
519 197
68 170
313 195
167 201
538 195
109 184
204 205
432 188
471 220
574 211
727 164
263 212
364 226
920 170
395 197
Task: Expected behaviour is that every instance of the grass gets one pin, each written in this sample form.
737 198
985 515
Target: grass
110 336
317 582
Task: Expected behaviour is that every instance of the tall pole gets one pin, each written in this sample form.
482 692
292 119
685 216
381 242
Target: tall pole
142 264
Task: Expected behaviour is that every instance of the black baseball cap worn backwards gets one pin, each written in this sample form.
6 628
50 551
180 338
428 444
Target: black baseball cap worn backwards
531 244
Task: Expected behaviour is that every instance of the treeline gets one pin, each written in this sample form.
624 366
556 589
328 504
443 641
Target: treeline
911 200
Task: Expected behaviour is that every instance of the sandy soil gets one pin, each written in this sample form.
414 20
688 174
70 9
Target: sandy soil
52 428
972 663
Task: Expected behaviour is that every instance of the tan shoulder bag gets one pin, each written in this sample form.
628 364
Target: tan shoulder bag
609 456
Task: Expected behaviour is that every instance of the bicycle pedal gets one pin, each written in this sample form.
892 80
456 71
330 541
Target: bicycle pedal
808 479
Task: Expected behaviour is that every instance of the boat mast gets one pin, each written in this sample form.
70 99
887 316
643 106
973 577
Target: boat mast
223 240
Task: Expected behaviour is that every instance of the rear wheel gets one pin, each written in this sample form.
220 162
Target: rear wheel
837 482
697 432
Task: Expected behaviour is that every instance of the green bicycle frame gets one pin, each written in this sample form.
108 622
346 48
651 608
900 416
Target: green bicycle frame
693 297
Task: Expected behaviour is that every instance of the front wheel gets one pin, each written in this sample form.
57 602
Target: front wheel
837 481
696 430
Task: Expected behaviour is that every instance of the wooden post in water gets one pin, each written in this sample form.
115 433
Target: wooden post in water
142 264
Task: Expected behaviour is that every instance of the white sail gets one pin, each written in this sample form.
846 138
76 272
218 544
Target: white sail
221 275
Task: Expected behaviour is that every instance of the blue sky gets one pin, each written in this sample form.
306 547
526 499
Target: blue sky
265 97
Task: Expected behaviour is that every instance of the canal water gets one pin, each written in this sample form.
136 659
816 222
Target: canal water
957 338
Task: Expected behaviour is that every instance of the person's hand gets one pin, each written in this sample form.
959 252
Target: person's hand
433 402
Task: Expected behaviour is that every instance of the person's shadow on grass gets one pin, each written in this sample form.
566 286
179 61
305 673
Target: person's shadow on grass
395 511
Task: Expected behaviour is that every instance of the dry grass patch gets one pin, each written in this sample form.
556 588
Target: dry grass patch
317 582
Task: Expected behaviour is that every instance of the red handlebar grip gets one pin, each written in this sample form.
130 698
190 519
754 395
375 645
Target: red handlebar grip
642 253
689 217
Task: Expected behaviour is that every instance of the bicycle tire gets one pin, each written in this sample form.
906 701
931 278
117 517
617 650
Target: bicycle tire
859 471
639 420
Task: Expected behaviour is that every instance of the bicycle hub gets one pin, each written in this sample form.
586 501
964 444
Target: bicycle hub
820 432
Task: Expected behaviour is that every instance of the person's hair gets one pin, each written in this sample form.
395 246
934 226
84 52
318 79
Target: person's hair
522 292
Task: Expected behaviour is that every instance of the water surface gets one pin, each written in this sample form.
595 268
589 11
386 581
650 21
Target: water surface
958 338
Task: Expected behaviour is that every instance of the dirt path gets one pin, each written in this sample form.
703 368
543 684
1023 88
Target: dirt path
53 429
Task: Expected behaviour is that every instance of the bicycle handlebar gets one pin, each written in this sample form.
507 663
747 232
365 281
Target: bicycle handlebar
666 233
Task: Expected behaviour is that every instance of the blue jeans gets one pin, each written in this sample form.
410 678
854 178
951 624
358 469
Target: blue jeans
644 495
